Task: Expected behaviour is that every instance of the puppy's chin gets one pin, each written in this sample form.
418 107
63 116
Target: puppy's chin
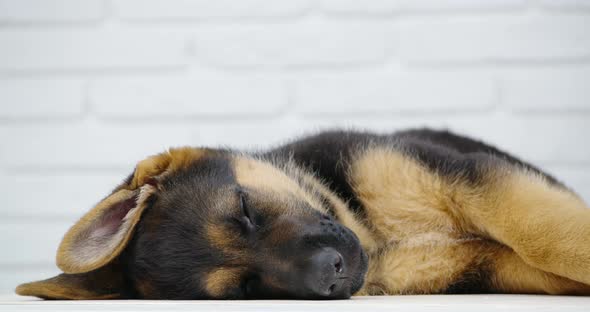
359 279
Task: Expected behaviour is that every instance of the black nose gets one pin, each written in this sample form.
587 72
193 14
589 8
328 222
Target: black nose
324 274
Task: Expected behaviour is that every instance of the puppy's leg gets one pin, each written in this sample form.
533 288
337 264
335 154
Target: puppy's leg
510 274
427 264
545 224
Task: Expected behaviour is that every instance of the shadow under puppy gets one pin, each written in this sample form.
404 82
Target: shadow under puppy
325 217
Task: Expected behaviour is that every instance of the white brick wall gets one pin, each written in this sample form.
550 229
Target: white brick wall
41 97
89 87
72 49
296 44
501 39
39 11
394 93
381 7
205 9
182 96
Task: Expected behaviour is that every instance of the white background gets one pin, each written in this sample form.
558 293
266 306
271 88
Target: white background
90 87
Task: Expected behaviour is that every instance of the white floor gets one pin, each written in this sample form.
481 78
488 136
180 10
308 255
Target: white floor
455 303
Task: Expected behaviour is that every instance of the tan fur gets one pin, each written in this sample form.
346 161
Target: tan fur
421 246
78 251
406 202
146 288
57 290
260 174
345 215
546 226
424 264
218 281
222 239
104 283
165 163
423 232
401 198
512 275
277 185
83 250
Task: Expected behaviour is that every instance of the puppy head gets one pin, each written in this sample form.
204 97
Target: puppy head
209 224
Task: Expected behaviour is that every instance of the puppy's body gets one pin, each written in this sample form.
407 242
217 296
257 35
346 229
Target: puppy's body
433 211
409 190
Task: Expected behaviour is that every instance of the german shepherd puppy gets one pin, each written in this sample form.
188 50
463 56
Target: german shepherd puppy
325 217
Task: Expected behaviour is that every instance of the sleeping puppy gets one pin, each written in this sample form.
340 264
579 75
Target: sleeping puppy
326 217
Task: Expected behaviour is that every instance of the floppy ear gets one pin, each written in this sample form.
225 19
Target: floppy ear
102 233
104 283
89 247
88 251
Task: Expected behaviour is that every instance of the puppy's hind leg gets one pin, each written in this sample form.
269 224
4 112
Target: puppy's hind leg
545 224
510 274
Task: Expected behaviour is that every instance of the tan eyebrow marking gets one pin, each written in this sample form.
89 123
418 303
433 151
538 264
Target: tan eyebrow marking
262 175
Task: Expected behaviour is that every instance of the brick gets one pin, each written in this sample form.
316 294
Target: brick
188 96
495 38
250 135
393 93
31 242
189 9
391 6
541 139
62 195
41 97
547 90
51 11
89 49
566 4
292 44
86 145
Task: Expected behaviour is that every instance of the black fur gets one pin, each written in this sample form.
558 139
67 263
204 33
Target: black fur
171 253
169 245
328 154
450 154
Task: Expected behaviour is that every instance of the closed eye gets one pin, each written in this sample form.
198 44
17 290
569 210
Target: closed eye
246 219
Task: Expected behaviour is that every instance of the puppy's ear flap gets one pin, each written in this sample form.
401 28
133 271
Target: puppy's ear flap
102 233
104 283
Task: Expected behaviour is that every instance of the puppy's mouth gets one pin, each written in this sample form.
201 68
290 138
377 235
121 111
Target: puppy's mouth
359 279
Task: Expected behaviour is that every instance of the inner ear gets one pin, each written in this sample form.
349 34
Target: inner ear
106 228
103 232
